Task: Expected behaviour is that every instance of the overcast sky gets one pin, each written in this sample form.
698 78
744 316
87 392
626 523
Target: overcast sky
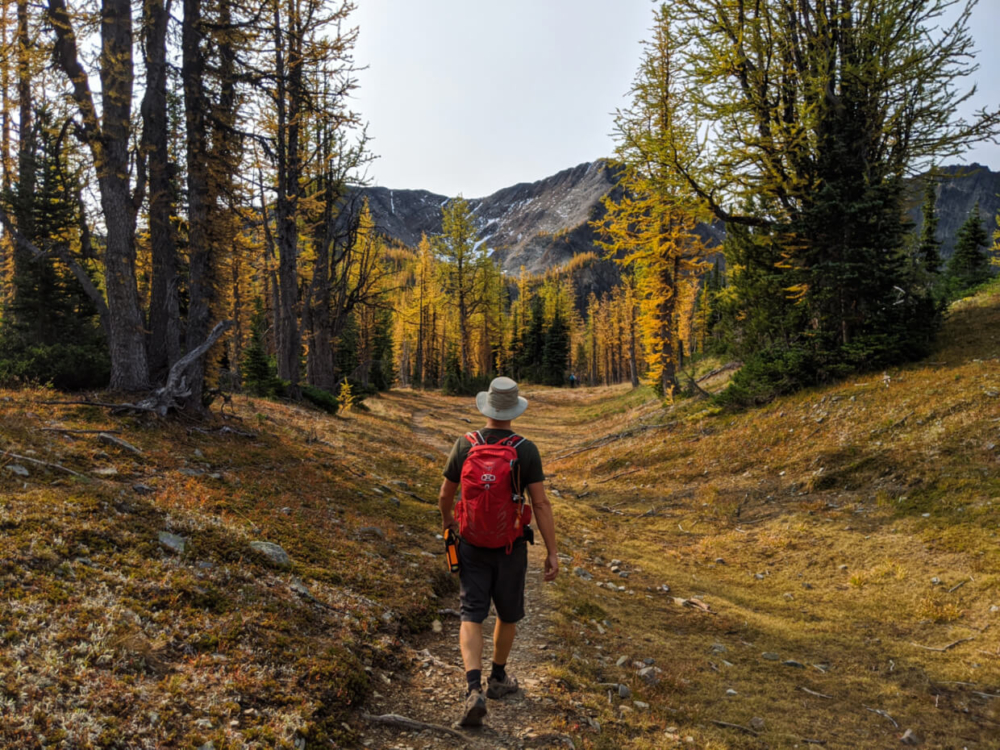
469 96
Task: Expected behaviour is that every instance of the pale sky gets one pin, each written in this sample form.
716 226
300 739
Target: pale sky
469 96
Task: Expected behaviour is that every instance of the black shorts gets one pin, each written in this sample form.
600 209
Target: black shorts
492 574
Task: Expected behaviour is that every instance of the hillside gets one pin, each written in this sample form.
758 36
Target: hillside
136 610
824 569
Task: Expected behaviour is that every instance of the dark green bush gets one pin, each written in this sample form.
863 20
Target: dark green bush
68 367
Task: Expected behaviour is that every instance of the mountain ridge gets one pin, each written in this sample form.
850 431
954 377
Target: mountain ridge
544 224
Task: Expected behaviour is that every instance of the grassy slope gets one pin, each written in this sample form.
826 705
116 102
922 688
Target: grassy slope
109 640
831 513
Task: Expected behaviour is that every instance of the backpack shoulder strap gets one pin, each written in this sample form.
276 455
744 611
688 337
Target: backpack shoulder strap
512 441
475 438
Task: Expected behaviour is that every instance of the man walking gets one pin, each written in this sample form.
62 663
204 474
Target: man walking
494 467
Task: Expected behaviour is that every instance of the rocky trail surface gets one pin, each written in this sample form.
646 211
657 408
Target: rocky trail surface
429 687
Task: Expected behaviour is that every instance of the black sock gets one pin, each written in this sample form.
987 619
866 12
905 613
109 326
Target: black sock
499 673
475 679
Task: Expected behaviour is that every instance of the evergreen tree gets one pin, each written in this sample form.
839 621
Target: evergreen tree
841 104
52 332
346 348
555 354
454 382
970 265
929 249
465 265
258 369
383 373
532 345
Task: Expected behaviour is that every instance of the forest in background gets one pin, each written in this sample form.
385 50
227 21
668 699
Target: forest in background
203 196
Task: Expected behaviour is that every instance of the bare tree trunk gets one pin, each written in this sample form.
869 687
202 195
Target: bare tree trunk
288 76
26 139
199 256
224 156
633 369
316 310
5 107
109 143
418 368
6 242
319 362
270 277
164 307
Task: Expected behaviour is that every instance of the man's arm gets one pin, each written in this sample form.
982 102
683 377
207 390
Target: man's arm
446 504
547 525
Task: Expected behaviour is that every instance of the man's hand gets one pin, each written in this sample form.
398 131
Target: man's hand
551 566
446 504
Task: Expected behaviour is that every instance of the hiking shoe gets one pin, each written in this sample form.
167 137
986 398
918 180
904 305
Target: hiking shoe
474 710
500 688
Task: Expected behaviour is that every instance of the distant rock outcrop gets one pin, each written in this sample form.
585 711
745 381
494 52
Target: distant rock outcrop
959 188
538 225
543 225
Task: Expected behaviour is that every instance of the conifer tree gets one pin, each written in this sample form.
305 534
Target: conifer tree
463 271
52 332
555 354
802 121
257 368
929 249
969 266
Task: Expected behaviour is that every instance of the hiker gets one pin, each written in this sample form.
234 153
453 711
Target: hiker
495 468
572 380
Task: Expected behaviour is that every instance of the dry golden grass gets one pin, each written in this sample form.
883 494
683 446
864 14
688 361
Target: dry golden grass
108 640
814 528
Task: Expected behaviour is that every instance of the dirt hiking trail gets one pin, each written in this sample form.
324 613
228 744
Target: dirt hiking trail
429 685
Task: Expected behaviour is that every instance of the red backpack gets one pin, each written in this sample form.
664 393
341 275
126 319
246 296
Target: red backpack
492 512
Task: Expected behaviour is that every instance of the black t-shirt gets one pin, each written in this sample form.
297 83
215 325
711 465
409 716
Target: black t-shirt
527 456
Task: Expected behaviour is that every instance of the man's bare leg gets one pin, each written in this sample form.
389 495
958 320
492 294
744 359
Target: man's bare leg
499 682
503 640
470 637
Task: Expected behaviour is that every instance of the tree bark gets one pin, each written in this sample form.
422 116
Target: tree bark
26 140
316 319
633 368
200 285
288 75
109 142
164 307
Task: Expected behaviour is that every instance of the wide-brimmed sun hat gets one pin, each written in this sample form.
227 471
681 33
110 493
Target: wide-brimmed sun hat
501 401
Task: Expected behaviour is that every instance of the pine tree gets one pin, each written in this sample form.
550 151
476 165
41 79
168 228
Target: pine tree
532 344
258 369
555 354
383 373
929 249
465 266
51 332
970 264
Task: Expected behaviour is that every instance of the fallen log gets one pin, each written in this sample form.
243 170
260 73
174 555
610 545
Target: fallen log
740 727
942 649
46 464
108 439
412 725
619 474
